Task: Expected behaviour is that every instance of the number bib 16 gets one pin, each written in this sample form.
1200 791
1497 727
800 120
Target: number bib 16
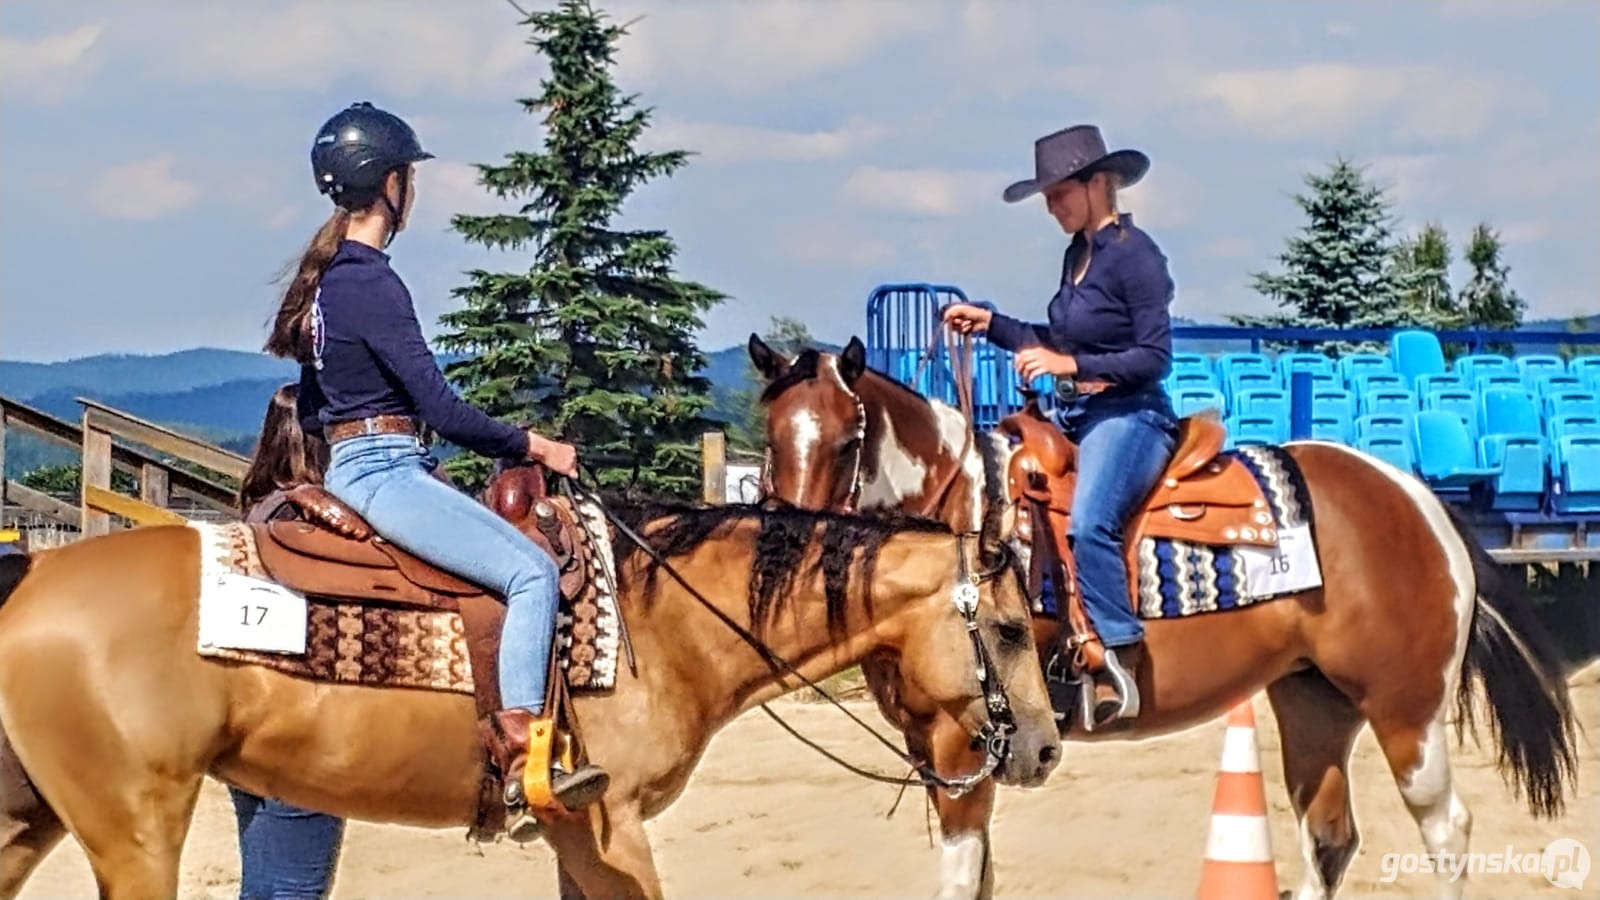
1289 567
242 613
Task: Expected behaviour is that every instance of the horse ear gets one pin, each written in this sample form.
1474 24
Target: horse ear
767 361
853 361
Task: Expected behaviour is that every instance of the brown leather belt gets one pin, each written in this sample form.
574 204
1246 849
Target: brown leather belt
341 431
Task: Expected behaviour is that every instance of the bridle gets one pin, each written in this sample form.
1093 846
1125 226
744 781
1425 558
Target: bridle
1000 724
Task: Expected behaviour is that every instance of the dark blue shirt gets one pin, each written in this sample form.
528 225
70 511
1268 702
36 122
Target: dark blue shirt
371 360
1116 322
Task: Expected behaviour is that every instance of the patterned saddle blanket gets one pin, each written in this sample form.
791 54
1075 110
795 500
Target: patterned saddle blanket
247 617
1175 578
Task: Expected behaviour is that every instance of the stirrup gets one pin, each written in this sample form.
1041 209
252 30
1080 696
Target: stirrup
521 824
1122 682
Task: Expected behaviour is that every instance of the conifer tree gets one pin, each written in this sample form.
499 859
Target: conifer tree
1336 271
593 340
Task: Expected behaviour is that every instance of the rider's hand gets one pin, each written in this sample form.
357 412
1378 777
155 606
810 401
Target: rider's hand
556 456
964 318
1032 362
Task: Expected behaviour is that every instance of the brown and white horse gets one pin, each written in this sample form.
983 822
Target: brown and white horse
111 719
1413 615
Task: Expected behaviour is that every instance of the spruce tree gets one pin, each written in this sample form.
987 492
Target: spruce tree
593 341
1336 270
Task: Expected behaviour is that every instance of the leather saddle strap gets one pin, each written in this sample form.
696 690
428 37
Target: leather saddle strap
1080 635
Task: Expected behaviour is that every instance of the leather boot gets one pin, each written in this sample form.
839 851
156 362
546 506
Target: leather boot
573 790
1116 690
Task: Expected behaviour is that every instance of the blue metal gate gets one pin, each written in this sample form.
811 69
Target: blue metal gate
900 325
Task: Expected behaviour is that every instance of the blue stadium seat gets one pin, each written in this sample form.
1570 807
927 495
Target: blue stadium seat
1229 363
1392 449
1263 402
1179 381
1587 370
1368 427
1331 428
1569 426
1459 401
1445 456
1535 367
1243 430
1416 353
1512 444
1564 403
1475 365
1506 411
1250 380
1440 381
1394 401
1577 465
1552 384
1339 404
1368 382
1315 363
1496 381
1190 400
1362 363
1191 362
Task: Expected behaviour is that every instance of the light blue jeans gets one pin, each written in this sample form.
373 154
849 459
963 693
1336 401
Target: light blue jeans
1124 444
388 480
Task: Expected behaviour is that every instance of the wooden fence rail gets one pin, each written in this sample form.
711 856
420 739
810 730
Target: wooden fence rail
109 440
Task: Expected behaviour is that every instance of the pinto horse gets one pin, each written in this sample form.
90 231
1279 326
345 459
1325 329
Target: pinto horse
111 719
1413 615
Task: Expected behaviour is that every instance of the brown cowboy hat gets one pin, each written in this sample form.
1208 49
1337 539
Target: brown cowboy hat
1077 151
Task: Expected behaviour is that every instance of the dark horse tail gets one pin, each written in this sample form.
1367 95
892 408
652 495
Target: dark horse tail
1512 658
12 567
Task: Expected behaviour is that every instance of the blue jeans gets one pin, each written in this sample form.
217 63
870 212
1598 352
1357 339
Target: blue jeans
387 479
1124 444
285 853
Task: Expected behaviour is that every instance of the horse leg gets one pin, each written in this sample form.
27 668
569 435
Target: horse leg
966 868
29 828
608 855
1317 727
134 837
1419 756
567 885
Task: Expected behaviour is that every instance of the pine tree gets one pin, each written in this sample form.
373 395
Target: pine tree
1336 270
1422 274
749 432
594 341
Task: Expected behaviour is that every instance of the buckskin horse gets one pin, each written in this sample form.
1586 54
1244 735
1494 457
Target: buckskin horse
1411 616
112 719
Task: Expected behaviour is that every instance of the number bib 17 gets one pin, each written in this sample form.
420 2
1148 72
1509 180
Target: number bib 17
242 613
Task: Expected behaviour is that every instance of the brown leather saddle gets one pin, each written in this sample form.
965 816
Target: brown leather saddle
311 542
1203 497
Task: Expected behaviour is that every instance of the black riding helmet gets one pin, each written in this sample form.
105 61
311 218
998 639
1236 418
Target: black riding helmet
357 149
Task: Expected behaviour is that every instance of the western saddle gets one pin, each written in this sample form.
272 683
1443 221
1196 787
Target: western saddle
1203 497
311 542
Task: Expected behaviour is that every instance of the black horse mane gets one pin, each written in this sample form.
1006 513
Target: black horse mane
784 537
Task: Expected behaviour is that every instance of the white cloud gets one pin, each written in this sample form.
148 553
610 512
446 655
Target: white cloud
753 46
832 244
49 67
718 142
1526 231
307 45
285 216
142 191
446 188
1335 99
927 192
1232 247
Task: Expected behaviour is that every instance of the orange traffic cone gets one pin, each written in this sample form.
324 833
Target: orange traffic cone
1238 864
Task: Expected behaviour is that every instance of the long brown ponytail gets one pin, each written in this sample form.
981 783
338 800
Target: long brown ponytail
291 330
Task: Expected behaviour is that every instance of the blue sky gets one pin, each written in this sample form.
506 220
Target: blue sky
153 155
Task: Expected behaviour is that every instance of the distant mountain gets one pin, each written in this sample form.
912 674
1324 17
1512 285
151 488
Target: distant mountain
125 374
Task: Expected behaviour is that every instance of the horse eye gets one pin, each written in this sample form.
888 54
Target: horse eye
1015 633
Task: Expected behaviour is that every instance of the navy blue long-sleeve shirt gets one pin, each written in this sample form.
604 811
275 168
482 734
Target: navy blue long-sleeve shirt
1116 322
372 360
